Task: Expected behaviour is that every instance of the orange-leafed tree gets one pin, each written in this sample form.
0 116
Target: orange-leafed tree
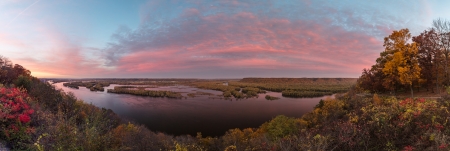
403 65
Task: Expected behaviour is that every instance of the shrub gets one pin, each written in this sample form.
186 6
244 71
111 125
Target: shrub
280 127
46 95
15 117
376 99
325 112
23 82
227 94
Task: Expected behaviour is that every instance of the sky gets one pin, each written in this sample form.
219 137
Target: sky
205 39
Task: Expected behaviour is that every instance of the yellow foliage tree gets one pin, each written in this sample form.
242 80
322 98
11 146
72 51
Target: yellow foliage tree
403 65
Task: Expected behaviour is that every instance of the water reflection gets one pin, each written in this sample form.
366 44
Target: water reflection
203 114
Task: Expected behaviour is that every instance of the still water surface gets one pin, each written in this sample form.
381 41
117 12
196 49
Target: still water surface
205 114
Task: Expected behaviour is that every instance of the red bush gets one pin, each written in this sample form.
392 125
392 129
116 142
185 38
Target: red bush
14 110
13 107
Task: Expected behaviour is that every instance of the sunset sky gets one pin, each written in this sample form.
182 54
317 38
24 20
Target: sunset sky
204 39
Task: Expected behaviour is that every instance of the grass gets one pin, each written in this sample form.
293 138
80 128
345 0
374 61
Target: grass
143 92
238 89
298 87
268 97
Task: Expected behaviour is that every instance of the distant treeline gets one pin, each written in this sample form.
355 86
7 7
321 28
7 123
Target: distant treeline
141 81
300 80
304 94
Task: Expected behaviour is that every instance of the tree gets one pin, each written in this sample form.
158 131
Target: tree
393 43
9 73
5 65
372 80
442 28
5 62
430 57
375 79
23 82
403 66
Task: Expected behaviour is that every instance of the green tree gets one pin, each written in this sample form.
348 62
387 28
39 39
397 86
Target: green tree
23 81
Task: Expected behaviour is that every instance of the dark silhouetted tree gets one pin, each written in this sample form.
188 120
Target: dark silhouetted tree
430 57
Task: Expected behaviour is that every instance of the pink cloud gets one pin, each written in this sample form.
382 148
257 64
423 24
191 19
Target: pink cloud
218 43
244 41
61 59
8 40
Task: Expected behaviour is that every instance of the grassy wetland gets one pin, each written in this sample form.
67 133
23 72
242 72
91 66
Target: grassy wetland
231 89
299 87
140 91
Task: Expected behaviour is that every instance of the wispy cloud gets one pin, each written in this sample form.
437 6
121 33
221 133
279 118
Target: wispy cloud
22 12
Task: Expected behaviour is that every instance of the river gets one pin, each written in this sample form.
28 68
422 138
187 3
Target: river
205 114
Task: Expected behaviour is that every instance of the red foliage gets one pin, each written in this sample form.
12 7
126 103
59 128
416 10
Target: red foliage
411 102
439 127
13 109
421 100
407 101
24 118
408 148
13 105
14 127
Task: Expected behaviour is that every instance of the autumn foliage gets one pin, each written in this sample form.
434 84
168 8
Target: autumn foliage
15 115
412 62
